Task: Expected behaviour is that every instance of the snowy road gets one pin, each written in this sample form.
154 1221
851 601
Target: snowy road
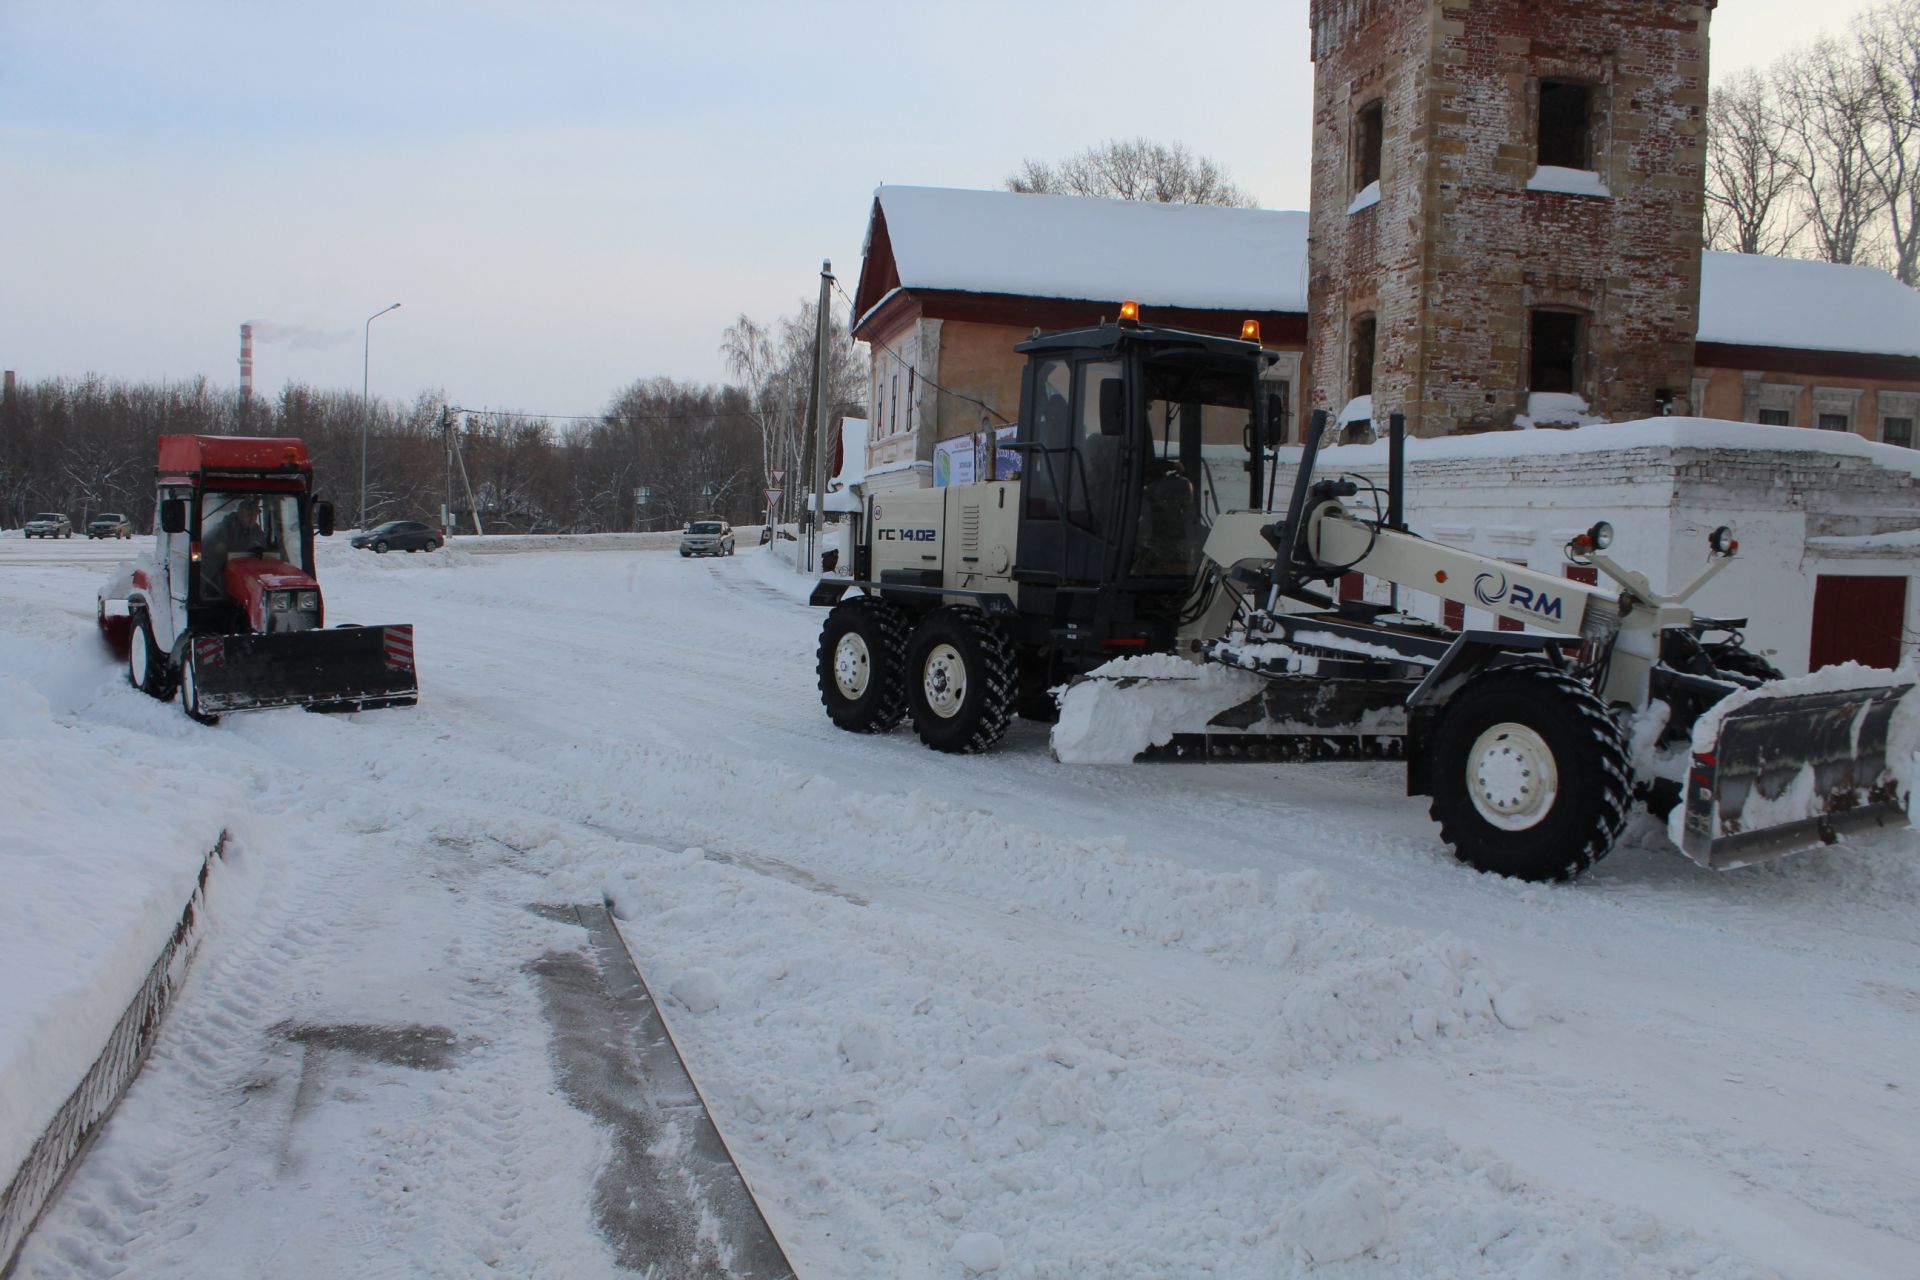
1148 1020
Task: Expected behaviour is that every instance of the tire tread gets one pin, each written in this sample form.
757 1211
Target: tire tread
1585 709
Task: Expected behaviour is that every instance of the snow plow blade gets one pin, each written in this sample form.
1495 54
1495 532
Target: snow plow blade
1793 771
342 669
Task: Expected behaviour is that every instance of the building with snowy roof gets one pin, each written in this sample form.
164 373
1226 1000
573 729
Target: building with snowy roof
952 279
1504 232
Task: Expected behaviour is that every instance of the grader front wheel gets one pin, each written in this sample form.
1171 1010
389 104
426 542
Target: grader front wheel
1529 775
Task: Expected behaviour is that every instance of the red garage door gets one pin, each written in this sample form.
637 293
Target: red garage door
1858 620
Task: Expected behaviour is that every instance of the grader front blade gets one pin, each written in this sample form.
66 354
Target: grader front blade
1778 773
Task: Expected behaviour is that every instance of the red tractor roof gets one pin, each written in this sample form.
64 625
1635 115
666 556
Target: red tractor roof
259 455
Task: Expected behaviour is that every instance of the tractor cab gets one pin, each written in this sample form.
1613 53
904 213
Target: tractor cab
1133 438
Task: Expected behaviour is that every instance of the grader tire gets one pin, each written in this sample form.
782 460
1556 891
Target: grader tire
1529 776
862 665
961 679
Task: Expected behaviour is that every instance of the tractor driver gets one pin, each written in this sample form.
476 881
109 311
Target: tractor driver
238 533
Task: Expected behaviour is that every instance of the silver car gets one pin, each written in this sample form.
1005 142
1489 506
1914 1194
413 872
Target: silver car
49 524
707 538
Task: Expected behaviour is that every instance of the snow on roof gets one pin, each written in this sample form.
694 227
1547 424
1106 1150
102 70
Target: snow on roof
1169 255
1814 306
1648 433
853 458
1207 257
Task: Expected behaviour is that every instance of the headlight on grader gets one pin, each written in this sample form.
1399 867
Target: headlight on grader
282 601
1582 545
309 601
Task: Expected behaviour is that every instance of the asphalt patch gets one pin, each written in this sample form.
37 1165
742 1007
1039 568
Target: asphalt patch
670 1200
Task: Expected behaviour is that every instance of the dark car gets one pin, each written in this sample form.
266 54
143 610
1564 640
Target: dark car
109 524
400 535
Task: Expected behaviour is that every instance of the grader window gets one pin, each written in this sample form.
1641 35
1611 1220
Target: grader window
1098 467
1051 460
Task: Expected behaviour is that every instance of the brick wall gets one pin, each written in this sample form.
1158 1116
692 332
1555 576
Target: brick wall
1458 251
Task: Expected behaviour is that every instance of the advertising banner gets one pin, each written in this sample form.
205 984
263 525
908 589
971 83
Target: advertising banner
976 457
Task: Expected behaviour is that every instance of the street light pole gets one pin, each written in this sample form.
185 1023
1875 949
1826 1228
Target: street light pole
366 407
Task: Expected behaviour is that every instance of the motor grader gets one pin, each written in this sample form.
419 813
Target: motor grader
225 608
1112 589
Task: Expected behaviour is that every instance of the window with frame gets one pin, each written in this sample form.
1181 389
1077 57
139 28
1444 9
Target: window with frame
1897 431
1775 417
1369 136
1365 333
1566 124
912 377
1835 422
1554 360
893 405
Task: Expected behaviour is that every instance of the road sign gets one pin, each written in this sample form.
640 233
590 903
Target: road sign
779 478
773 496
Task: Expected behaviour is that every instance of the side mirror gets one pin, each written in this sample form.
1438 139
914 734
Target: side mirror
323 519
1113 414
173 515
1276 419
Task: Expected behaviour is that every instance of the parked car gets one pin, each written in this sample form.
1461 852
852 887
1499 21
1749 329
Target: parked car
110 524
707 538
49 524
400 535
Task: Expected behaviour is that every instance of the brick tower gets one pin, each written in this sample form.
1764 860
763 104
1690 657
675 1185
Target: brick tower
1506 199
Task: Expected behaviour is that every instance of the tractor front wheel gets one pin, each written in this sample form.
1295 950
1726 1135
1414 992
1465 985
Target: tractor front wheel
1529 775
960 681
146 664
862 665
190 690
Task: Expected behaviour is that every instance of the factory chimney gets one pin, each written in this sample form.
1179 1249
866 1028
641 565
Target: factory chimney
246 367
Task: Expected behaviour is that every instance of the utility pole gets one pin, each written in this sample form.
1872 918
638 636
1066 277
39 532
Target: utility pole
446 443
814 453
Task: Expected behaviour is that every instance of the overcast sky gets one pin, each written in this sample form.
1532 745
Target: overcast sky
566 197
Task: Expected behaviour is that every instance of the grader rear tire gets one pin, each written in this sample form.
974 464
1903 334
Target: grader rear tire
960 681
1529 776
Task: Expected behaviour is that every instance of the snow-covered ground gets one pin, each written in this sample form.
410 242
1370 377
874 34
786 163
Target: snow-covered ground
955 1016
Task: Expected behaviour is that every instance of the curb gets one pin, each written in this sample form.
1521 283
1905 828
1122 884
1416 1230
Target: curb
79 1119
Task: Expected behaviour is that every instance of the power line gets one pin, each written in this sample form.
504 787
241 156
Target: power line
610 419
957 395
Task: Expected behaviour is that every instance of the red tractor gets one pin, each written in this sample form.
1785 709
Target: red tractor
225 607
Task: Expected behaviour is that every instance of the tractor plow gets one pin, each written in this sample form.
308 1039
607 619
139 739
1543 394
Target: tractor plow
341 669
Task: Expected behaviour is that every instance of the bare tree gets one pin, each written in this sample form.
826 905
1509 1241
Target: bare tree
776 364
1749 181
1135 169
1889 41
1826 97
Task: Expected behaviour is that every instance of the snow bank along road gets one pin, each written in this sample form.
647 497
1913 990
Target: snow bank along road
955 1016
